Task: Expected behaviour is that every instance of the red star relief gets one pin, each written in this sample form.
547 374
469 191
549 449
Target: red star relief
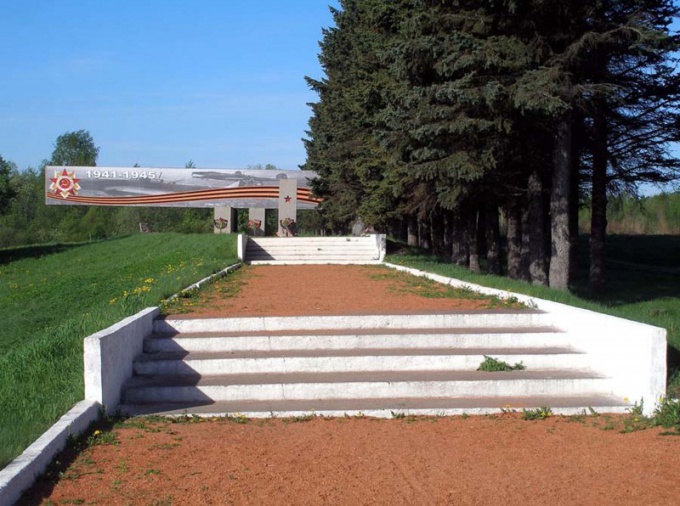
65 183
287 199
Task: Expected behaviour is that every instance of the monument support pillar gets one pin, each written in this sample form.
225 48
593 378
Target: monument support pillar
256 221
225 220
287 207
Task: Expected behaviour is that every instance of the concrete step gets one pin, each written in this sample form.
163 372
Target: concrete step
317 261
365 239
359 339
500 318
312 250
308 257
309 246
361 385
339 251
384 408
372 364
180 363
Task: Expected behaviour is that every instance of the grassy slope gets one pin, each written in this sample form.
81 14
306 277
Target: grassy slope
52 297
643 281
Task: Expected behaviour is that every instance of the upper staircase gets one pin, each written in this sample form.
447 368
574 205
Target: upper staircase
315 250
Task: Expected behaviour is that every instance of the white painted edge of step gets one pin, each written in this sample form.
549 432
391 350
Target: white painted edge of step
633 354
21 473
314 262
399 412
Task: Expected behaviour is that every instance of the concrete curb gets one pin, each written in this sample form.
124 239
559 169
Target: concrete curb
21 473
199 284
633 354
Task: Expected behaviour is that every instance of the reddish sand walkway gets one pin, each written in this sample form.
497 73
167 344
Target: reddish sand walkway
463 460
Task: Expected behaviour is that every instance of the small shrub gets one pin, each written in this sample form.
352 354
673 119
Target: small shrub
491 364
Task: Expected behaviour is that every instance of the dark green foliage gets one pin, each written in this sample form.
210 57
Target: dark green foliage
342 148
435 115
6 190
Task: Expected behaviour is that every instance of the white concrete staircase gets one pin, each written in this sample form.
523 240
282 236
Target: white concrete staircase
377 365
314 250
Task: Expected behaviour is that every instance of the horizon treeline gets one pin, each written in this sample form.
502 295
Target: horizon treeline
438 120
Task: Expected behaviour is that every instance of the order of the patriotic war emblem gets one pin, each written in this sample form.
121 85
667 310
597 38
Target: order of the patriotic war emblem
64 183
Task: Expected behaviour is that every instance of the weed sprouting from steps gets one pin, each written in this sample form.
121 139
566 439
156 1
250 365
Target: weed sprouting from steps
490 364
537 414
300 418
237 418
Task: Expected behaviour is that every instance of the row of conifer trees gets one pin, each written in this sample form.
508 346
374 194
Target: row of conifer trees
466 125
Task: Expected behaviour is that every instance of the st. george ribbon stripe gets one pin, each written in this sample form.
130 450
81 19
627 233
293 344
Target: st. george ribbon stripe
271 192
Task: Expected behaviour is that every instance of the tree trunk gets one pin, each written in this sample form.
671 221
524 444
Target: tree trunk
493 234
598 222
576 142
424 234
459 249
412 231
437 227
471 237
538 265
448 230
525 261
560 256
514 237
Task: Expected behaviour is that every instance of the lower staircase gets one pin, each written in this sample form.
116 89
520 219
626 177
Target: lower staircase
376 365
314 250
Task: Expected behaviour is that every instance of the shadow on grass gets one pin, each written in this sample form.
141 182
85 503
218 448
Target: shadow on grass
9 255
638 269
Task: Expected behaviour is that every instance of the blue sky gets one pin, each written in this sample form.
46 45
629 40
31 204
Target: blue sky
160 83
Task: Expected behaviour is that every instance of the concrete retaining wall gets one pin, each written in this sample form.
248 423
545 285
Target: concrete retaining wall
241 244
381 246
108 357
633 354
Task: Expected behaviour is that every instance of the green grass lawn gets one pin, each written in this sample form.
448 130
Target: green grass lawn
51 297
643 281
